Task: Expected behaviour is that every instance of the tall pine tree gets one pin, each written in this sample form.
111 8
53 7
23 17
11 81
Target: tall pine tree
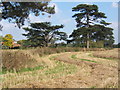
89 23
42 34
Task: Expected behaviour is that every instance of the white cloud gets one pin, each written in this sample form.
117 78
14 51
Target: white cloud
115 4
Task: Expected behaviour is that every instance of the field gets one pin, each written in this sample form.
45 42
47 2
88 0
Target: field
60 68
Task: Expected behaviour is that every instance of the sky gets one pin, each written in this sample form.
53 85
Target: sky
63 16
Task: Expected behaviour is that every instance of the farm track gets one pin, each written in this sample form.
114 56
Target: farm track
68 70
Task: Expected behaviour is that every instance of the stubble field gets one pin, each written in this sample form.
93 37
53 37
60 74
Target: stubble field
68 69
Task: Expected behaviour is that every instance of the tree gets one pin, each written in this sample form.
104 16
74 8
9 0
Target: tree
24 43
1 38
89 22
8 40
18 12
104 34
42 34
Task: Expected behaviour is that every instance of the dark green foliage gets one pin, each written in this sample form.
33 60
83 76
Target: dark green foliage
18 12
116 45
98 44
24 43
91 27
44 34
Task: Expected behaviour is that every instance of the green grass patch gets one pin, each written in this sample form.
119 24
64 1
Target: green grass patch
61 67
31 69
22 70
93 87
88 60
57 69
74 57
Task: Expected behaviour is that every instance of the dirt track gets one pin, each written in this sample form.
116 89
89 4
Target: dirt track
98 74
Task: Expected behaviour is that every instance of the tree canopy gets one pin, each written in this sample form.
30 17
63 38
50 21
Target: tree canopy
8 40
18 12
91 26
42 34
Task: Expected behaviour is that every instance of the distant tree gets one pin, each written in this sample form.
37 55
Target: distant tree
24 43
43 34
118 45
90 26
18 12
1 39
62 44
8 40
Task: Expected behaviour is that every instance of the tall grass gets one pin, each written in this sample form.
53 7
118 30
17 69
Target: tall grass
108 54
18 59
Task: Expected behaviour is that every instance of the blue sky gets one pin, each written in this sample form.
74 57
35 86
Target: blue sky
64 16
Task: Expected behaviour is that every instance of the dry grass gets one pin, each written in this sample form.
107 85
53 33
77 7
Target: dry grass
110 54
87 74
17 59
63 69
21 79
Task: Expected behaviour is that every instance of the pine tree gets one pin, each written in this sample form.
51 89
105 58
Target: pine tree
89 22
18 12
42 34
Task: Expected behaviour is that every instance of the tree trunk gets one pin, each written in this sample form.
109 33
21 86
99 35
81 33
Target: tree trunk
88 36
88 43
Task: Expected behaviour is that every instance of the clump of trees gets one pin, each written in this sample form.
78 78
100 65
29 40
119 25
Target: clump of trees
24 43
92 30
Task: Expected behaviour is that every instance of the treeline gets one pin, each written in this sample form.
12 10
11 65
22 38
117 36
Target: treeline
91 31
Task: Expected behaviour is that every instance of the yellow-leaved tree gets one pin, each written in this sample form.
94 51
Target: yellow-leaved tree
8 40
